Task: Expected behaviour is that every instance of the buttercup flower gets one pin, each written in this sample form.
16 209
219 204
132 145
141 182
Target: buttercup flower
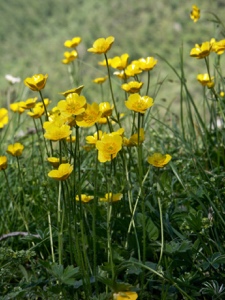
29 103
133 69
55 132
15 149
104 64
100 80
159 160
92 139
106 109
72 43
132 87
201 50
148 63
121 74
108 147
125 296
139 103
102 45
205 80
110 197
4 118
16 107
84 198
37 112
120 62
195 13
133 140
219 47
36 82
3 163
62 173
69 56
73 105
91 116
75 90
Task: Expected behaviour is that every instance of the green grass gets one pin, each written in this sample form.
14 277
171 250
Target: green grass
165 238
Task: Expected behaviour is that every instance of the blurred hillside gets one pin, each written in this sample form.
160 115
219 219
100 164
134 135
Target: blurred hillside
32 35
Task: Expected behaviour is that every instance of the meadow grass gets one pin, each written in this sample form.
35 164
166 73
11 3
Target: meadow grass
116 197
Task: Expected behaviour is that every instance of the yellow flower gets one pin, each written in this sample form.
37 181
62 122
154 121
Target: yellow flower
110 197
56 130
108 147
121 75
37 112
100 80
93 139
106 109
91 116
74 90
201 50
62 173
55 161
71 139
15 149
102 45
3 163
84 198
132 87
205 80
125 296
120 62
72 43
219 47
148 63
133 69
73 105
139 103
36 82
69 56
16 107
4 118
29 103
195 13
159 160
133 140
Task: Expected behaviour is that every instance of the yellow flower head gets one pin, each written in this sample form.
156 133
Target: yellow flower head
29 103
91 116
100 80
108 147
133 140
120 62
133 69
125 296
205 80
201 50
3 163
69 56
139 103
73 105
62 173
110 197
16 107
219 47
4 118
54 132
106 109
92 139
195 13
84 198
121 75
36 82
72 43
104 64
37 112
132 86
55 161
159 160
148 63
15 149
102 45
74 90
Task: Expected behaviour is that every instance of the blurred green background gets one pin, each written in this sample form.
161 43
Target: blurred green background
32 34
